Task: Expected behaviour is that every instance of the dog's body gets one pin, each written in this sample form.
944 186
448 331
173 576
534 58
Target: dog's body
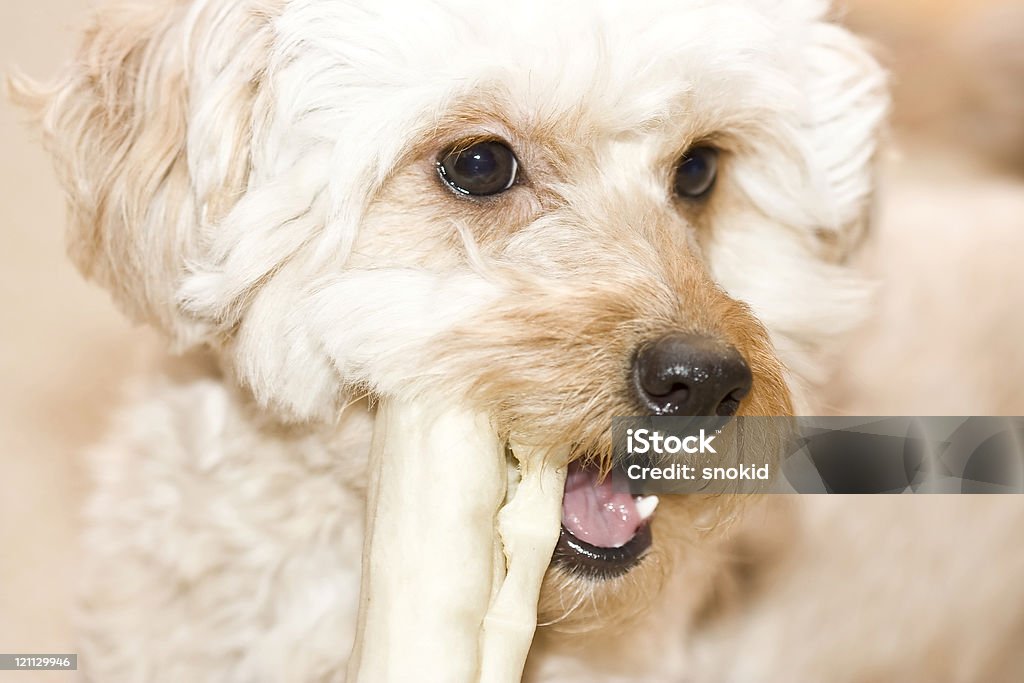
260 179
240 539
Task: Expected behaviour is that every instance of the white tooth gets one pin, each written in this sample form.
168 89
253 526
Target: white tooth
646 506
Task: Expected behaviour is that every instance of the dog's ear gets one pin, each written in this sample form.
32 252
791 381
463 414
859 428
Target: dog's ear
849 103
149 128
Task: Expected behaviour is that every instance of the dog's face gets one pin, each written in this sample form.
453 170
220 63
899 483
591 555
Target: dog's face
556 213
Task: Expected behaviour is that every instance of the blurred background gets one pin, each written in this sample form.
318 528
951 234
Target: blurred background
946 248
949 234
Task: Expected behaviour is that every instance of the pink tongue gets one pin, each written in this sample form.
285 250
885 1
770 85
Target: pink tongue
595 512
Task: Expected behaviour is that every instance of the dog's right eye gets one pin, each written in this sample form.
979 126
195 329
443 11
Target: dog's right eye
479 169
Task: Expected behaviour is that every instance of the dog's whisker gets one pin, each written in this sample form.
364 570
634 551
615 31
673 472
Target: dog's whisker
581 597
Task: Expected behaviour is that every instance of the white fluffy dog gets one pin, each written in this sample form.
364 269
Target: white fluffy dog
516 204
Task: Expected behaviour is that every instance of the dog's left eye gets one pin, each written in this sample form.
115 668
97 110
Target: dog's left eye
696 172
480 169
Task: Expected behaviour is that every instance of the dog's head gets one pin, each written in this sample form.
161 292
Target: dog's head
559 212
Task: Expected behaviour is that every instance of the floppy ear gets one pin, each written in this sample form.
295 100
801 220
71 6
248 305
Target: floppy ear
849 102
149 128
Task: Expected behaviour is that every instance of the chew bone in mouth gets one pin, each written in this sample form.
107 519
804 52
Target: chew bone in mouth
457 543
605 529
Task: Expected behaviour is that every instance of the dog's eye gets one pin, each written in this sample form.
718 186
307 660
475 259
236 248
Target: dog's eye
480 169
696 172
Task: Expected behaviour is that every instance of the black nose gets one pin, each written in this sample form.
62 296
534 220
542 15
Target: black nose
689 374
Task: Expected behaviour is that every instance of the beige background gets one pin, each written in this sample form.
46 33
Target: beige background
64 351
947 337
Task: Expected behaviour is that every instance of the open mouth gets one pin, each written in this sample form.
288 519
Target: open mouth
605 529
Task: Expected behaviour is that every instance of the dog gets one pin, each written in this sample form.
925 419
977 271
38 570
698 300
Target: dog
556 214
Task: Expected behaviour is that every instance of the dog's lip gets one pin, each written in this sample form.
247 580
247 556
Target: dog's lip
582 558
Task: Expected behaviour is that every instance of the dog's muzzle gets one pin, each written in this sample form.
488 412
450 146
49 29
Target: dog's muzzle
605 529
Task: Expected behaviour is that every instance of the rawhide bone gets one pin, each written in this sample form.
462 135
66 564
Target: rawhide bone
457 542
